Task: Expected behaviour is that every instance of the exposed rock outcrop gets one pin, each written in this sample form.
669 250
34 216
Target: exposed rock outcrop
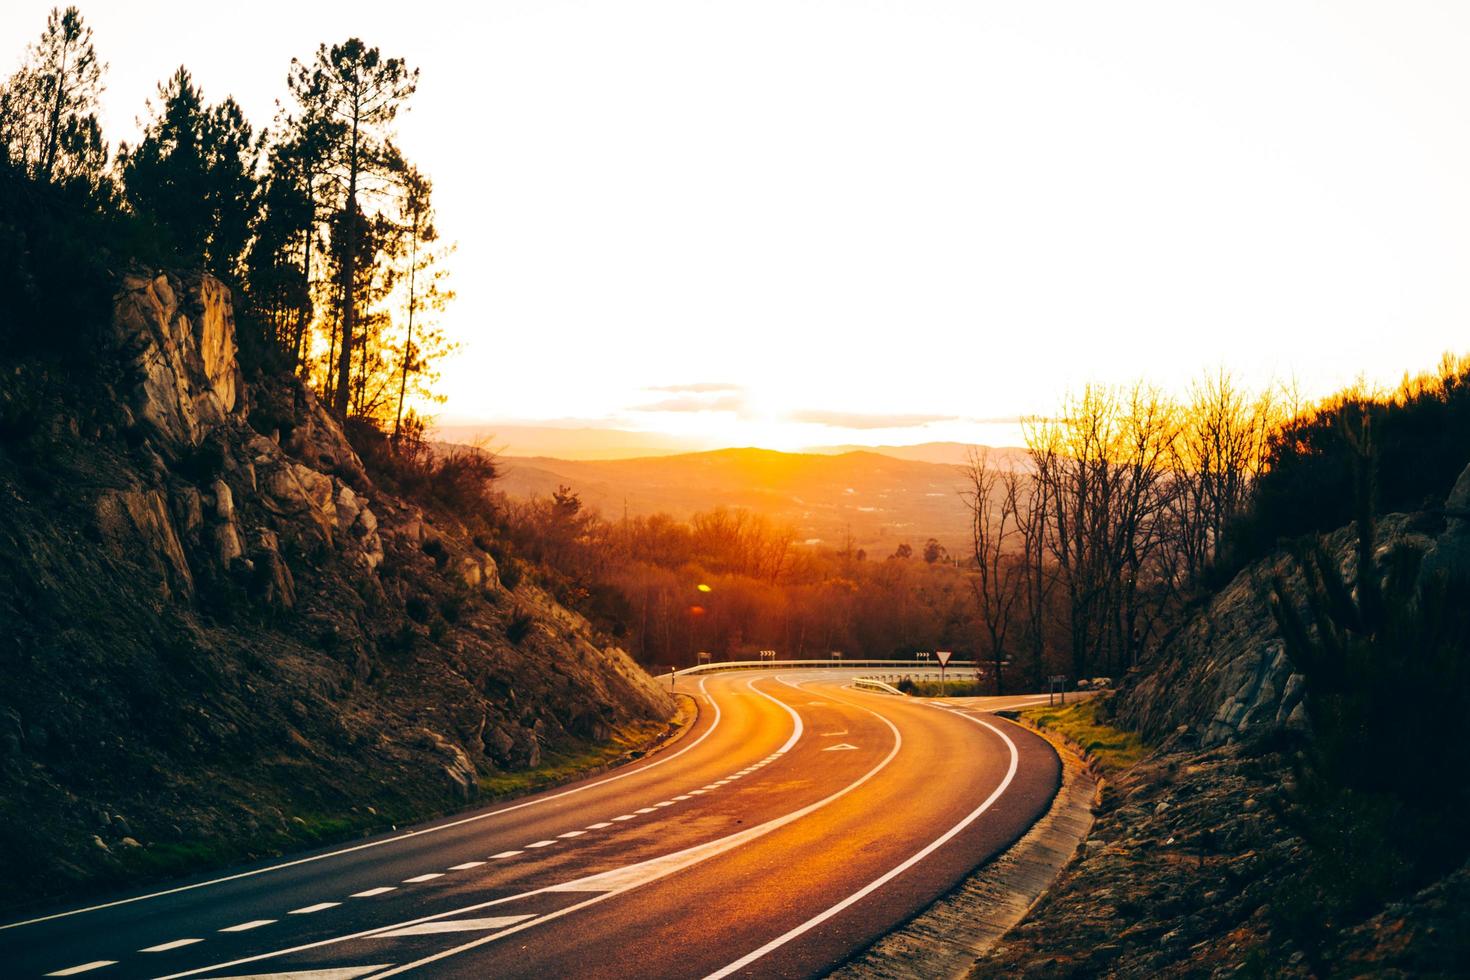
218 624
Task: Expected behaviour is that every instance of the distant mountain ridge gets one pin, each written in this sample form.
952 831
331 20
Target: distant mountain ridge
879 499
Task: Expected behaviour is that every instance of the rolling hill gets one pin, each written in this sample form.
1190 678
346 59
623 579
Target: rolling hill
880 500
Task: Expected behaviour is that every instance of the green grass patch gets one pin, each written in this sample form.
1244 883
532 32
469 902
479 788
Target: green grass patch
575 759
933 689
1113 748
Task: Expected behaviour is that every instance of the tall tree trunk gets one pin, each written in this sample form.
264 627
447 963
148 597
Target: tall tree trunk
413 261
349 285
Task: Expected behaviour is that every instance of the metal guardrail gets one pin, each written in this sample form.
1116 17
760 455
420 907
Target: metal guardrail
908 666
869 684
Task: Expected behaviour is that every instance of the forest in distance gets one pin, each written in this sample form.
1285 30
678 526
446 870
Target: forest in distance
1134 505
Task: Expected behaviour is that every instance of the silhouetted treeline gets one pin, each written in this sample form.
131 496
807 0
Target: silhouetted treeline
322 226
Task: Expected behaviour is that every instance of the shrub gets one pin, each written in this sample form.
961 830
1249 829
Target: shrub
519 626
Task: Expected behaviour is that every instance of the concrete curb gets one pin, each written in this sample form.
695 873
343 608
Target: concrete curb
946 939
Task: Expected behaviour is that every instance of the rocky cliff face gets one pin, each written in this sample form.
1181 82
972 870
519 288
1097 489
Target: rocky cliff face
221 636
1225 676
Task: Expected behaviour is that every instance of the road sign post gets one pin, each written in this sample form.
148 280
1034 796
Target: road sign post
943 657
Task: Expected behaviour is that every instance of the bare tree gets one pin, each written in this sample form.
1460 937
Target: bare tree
994 500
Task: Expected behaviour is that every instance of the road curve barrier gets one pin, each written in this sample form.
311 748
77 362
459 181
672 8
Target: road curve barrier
870 684
904 666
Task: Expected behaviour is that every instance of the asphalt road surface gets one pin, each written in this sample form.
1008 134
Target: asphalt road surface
795 823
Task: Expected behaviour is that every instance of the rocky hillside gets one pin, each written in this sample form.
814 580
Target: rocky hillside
1209 857
222 639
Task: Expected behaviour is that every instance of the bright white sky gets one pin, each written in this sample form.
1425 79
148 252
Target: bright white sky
845 210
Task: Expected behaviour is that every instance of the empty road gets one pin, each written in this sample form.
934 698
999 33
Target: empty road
797 821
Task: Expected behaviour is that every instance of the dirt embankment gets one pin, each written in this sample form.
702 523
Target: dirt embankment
221 639
1198 863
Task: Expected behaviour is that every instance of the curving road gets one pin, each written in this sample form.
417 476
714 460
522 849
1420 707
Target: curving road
796 822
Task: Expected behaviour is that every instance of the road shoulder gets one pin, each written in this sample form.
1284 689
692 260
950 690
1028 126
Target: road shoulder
946 939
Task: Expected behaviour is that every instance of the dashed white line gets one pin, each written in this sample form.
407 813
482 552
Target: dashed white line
572 833
715 723
318 907
466 866
72 971
644 809
428 877
665 803
603 825
626 816
682 797
376 891
505 854
541 843
698 792
165 947
246 926
711 786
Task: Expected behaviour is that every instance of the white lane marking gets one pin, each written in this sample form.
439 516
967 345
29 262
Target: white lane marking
74 970
624 879
721 782
665 803
428 877
888 876
466 866
627 816
509 898
601 825
505 854
331 973
165 947
710 786
376 891
830 734
681 797
318 907
455 925
572 833
644 809
541 843
698 792
247 926
796 726
389 840
843 747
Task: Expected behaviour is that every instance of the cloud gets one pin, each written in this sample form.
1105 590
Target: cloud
863 420
694 403
697 388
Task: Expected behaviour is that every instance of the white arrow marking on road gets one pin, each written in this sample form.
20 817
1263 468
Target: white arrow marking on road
457 925
839 748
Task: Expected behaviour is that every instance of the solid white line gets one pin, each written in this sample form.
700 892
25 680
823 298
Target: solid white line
625 879
506 854
247 926
600 825
74 970
318 907
736 838
888 876
466 866
389 840
376 891
165 947
428 877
